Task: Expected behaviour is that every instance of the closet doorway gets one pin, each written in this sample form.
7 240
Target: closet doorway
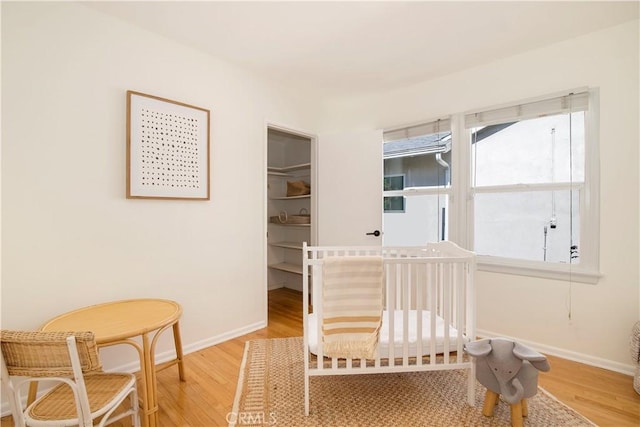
291 204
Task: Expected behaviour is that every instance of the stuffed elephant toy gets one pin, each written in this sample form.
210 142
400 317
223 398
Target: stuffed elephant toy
507 367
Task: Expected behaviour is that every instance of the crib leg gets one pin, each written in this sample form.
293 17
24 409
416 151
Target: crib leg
471 386
306 396
490 401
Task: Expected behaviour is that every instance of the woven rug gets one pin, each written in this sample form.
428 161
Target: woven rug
271 392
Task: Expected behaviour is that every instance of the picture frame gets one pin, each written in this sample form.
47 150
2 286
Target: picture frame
168 147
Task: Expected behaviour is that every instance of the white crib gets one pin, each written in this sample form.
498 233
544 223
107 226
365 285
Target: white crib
428 292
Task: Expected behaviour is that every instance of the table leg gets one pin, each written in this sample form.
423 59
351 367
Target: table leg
178 343
148 370
150 401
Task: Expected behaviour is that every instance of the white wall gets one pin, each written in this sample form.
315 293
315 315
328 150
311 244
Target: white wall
536 310
70 238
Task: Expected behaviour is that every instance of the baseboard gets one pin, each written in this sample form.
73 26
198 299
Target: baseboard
294 286
168 355
567 354
199 345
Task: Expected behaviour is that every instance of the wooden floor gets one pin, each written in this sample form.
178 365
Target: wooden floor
205 399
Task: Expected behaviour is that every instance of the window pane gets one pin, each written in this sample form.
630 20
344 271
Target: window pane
424 161
530 151
394 204
527 225
421 170
420 223
393 182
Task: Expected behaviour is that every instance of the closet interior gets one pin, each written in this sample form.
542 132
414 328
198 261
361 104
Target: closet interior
289 195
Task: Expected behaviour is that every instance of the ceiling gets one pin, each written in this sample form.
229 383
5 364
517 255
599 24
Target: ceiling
343 47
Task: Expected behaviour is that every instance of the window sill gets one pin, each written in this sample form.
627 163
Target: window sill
562 272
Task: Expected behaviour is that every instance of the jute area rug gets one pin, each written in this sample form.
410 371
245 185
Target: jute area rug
271 392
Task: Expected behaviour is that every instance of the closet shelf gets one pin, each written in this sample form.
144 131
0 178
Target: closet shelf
288 245
306 196
291 268
285 170
290 225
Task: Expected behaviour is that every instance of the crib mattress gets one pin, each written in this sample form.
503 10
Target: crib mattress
383 341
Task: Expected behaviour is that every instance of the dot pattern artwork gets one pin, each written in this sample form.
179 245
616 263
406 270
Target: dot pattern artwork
169 151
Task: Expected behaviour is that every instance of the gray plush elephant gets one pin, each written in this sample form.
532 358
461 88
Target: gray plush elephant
507 367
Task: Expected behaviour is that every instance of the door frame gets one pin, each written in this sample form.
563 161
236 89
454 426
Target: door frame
313 234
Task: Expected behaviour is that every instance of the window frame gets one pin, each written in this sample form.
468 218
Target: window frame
443 124
587 271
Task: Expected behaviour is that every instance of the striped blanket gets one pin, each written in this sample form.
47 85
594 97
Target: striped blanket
352 289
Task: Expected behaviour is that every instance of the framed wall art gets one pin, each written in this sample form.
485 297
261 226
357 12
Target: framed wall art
167 149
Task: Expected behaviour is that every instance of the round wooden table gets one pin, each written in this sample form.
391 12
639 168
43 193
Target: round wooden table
118 322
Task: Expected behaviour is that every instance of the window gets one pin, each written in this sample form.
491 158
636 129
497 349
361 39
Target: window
393 203
531 185
417 170
517 184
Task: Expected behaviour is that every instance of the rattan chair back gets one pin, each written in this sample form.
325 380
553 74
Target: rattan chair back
45 354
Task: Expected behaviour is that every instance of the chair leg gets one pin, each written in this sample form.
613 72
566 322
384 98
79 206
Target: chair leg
490 401
525 408
135 405
516 415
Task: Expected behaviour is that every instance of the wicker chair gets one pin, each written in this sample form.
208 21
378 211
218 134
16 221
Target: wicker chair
81 394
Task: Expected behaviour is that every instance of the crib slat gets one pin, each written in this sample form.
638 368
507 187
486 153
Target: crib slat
460 301
419 283
433 311
446 284
405 278
391 312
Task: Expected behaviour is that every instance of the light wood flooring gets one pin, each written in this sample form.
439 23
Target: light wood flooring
607 398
